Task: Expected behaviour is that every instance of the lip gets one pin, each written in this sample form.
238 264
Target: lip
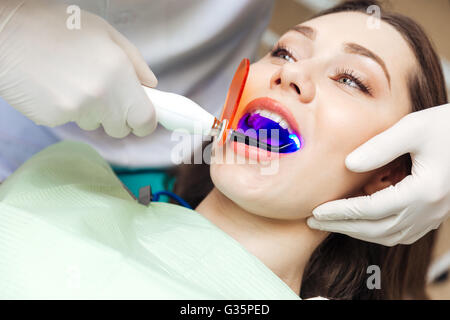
275 106
255 153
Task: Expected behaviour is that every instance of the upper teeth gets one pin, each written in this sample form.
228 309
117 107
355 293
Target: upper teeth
274 117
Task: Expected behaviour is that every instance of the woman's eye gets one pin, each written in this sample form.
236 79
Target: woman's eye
282 53
349 78
349 82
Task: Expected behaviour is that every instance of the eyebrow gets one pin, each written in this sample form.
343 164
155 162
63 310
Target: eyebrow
308 32
354 48
351 48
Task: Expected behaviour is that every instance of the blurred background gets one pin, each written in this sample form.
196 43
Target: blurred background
434 16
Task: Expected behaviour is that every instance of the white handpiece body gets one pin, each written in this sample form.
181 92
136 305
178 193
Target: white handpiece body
174 112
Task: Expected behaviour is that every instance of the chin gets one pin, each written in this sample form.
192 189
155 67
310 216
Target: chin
255 193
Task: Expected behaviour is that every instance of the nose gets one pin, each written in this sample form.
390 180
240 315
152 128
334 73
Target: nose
294 78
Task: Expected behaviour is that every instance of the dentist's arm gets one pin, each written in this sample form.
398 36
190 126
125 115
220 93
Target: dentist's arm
54 73
403 213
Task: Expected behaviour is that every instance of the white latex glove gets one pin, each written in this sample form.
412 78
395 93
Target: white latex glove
54 75
403 213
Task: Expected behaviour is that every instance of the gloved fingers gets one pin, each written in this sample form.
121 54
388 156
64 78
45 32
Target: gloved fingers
413 238
143 72
404 236
141 116
384 203
384 147
114 122
88 125
115 131
363 207
386 240
389 240
368 230
128 107
88 120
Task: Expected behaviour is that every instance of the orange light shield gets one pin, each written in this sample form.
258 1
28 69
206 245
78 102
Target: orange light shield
234 96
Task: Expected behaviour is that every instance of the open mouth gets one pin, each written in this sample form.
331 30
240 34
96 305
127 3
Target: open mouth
266 124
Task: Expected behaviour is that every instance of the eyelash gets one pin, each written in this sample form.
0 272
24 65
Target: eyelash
343 73
282 49
339 74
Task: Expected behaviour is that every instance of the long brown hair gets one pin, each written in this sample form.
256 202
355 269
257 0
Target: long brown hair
337 269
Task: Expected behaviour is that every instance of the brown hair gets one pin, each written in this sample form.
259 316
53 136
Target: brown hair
337 269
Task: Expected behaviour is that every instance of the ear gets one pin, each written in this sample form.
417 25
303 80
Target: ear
386 176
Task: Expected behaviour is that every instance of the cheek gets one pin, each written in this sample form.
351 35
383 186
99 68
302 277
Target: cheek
230 173
342 126
258 81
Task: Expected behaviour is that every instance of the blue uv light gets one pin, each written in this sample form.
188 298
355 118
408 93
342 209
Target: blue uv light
286 142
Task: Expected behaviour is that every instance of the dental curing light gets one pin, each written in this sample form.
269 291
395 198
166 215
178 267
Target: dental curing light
176 112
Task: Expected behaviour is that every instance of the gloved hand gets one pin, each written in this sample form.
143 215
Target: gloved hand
403 213
54 75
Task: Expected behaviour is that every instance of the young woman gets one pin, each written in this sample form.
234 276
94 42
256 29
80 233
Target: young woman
342 82
336 81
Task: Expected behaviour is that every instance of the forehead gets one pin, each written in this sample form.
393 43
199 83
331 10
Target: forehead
333 30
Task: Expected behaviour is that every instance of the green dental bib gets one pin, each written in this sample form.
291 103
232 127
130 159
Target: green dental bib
69 230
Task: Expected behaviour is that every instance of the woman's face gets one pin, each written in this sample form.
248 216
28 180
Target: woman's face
339 83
